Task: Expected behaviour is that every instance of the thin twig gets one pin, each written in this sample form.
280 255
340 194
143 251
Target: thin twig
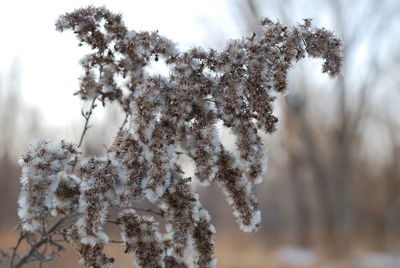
87 116
3 255
124 123
14 254
116 241
113 222
149 210
38 244
43 254
209 99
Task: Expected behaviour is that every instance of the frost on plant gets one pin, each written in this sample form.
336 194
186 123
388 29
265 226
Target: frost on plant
168 115
43 176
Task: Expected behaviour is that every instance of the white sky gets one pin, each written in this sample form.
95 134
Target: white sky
48 60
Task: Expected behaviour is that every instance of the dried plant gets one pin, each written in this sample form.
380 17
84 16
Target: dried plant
65 194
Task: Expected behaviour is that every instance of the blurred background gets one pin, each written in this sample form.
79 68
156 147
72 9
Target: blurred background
331 197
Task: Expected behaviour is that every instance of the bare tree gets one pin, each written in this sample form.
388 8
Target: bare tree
334 157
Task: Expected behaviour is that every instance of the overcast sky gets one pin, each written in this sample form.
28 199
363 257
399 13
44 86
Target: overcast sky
48 60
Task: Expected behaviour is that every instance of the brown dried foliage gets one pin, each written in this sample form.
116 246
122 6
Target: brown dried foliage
169 115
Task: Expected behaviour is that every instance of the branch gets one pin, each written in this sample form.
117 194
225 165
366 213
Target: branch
14 253
149 210
87 116
124 123
116 241
24 259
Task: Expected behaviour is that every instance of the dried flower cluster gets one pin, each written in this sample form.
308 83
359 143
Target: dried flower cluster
168 116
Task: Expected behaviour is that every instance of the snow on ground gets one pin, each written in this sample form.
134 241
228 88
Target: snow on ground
296 257
377 260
